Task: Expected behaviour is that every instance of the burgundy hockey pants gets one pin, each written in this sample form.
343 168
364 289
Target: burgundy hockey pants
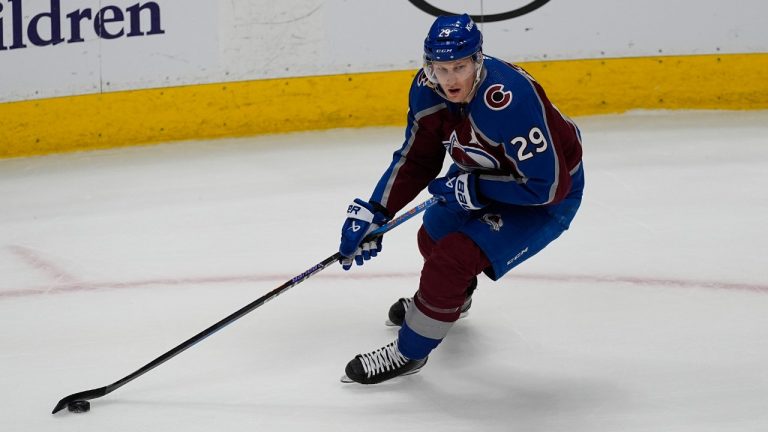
449 267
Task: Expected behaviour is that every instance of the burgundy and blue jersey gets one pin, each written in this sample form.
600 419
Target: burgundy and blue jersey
522 148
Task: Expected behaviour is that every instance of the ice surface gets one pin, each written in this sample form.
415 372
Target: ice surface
650 314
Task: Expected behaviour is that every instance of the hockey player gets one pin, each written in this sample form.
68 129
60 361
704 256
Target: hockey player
514 186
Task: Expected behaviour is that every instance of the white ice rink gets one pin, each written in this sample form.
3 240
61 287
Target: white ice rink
650 314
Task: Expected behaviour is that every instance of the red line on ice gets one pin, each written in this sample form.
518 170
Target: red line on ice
34 259
60 288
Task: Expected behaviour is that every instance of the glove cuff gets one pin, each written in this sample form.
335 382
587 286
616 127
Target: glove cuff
360 210
465 192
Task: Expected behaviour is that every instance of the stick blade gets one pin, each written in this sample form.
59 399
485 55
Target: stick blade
84 395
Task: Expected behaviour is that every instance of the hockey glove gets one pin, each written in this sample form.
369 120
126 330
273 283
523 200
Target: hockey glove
362 219
457 193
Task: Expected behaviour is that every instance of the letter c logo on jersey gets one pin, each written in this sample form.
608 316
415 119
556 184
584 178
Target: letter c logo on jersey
496 98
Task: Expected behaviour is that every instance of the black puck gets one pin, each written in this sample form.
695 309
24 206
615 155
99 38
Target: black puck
79 406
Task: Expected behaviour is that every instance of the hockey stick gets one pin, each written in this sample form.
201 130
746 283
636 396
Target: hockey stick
78 399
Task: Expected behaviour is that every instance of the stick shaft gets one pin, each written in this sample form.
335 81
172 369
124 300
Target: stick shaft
95 393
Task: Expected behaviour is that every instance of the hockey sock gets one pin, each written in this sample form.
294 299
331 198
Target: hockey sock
413 345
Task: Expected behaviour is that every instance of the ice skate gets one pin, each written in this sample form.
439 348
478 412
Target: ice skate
380 365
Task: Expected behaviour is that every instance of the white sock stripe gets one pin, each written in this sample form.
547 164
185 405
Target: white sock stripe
426 326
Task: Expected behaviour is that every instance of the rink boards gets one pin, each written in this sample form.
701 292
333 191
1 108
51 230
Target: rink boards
577 87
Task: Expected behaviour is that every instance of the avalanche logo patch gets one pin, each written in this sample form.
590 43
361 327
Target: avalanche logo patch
494 220
496 98
472 156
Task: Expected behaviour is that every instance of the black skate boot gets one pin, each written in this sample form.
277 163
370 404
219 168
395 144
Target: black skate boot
381 365
397 310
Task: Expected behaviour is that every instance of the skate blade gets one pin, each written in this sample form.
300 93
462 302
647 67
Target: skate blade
346 380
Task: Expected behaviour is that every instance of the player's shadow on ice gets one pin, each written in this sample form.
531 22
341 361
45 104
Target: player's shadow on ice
469 378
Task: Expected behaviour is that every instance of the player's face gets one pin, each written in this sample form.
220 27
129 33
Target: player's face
456 78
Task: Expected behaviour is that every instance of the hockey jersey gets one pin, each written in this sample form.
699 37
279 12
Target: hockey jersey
510 135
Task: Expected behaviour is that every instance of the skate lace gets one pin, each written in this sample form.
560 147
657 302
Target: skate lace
382 360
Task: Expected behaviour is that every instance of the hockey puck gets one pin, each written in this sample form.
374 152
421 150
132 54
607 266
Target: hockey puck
79 406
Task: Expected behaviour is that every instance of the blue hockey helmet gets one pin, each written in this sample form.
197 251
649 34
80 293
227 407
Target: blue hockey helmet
452 38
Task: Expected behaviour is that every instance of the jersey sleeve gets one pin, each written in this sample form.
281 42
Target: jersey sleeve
420 158
528 131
